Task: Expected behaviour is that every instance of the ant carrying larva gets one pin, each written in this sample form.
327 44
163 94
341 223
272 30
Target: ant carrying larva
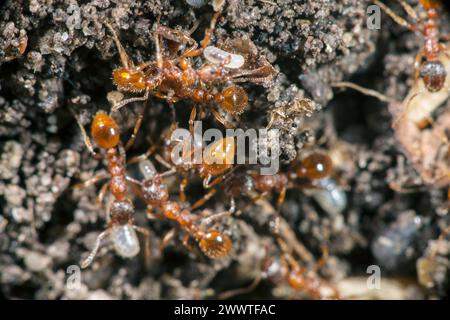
171 76
121 229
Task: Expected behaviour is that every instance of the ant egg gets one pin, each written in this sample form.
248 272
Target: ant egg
329 196
218 56
215 244
125 241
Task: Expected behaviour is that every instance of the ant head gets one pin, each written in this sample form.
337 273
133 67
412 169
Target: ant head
129 79
315 166
105 131
121 211
434 75
215 245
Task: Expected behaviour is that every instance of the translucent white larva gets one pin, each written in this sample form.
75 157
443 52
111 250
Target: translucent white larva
125 240
217 56
330 197
147 169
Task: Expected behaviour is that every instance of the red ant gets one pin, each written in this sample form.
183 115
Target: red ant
172 77
432 71
298 277
302 174
212 243
121 228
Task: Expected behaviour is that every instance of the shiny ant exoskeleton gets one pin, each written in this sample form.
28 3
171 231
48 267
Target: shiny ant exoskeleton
432 70
211 242
171 76
121 228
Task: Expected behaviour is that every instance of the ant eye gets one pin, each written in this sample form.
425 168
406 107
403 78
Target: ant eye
235 99
215 244
315 166
105 131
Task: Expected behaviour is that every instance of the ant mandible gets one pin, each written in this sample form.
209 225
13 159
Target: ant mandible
172 77
432 70
121 228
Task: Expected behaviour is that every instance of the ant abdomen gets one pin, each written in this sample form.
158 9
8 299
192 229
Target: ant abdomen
218 157
129 80
315 166
434 75
105 131
233 100
215 245
125 240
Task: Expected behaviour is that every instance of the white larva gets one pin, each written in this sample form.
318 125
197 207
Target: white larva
147 169
125 240
217 56
330 197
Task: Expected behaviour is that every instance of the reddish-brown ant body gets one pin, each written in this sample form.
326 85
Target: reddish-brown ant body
172 76
121 228
298 277
212 243
432 71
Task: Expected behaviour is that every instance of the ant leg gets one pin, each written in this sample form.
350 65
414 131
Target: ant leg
126 61
399 20
163 162
94 251
166 239
146 234
365 91
86 139
183 186
122 103
204 199
143 156
99 177
192 118
216 216
136 128
321 262
210 30
281 198
417 63
408 9
159 59
444 48
102 193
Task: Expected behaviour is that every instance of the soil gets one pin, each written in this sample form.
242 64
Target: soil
56 60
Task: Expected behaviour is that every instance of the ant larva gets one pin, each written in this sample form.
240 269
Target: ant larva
171 76
121 228
212 243
432 70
